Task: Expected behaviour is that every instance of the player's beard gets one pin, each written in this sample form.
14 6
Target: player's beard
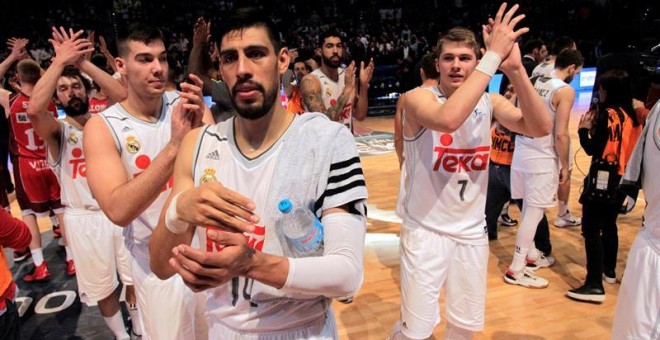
76 107
254 113
331 63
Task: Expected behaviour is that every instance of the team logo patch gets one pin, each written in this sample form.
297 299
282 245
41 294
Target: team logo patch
328 92
22 118
72 139
132 144
208 177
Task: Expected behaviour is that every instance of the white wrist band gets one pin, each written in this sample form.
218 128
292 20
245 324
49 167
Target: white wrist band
489 63
172 221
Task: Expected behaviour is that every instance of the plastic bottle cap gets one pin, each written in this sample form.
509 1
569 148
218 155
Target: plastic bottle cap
285 206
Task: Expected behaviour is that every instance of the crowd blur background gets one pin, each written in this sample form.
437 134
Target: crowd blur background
395 33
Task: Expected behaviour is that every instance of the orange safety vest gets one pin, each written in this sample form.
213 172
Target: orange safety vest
622 134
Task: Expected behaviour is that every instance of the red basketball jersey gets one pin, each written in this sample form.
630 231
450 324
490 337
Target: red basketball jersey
26 142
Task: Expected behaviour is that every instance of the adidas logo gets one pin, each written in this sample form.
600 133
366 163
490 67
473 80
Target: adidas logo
215 155
126 129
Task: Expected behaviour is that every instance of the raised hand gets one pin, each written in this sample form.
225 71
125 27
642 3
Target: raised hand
201 32
366 73
188 113
102 45
18 47
70 48
500 34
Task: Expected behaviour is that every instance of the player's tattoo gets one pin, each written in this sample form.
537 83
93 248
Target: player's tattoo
334 112
311 93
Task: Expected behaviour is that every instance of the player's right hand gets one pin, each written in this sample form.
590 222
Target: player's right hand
500 34
212 204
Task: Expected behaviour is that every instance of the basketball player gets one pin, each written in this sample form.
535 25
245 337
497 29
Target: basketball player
636 315
535 165
97 244
129 150
331 89
37 190
447 143
564 217
256 289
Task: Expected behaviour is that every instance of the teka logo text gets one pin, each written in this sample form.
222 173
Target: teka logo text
460 160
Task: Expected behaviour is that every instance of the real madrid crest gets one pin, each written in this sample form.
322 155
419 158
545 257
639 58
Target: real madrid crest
72 139
132 144
209 176
328 91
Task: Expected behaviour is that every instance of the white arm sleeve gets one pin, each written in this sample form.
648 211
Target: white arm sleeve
339 271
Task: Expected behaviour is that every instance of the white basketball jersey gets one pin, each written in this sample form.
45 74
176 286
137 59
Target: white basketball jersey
543 69
532 154
330 92
138 143
217 158
71 170
448 177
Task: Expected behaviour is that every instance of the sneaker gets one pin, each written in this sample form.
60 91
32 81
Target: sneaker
544 261
567 220
526 278
70 268
22 255
57 233
506 220
587 293
39 273
609 276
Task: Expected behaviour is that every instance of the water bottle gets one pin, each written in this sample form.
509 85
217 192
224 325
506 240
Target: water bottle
302 230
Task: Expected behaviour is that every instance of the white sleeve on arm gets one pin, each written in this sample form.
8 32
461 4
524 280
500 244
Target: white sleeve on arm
339 271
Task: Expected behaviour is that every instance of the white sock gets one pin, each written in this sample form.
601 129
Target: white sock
116 325
135 318
69 257
457 333
37 256
531 216
563 208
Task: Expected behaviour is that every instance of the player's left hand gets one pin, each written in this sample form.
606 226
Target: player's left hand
366 72
201 270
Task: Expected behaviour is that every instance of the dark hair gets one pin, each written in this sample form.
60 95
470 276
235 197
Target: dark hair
618 89
327 34
28 71
137 31
462 36
248 17
428 65
531 45
301 60
73 72
568 58
560 44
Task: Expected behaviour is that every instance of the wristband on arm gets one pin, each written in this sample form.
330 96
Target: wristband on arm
489 63
172 221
